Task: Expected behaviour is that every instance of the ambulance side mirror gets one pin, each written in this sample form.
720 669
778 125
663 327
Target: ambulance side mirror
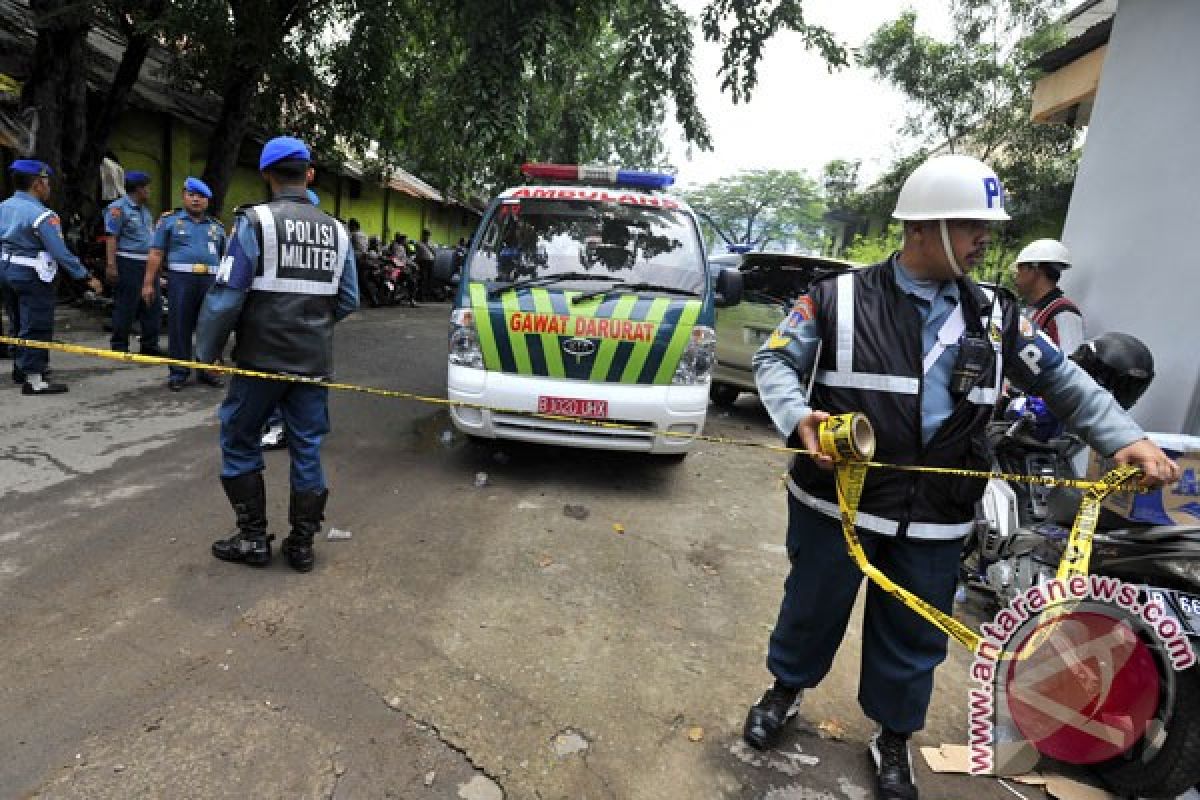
729 288
444 269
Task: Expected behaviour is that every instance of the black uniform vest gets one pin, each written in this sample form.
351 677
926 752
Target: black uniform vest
286 324
872 361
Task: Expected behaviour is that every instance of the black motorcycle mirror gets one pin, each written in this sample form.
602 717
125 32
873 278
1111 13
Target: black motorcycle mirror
444 268
729 288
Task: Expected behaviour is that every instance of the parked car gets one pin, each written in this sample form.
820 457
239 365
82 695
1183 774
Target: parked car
772 282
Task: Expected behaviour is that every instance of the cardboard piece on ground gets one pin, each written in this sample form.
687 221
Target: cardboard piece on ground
955 758
948 758
1063 788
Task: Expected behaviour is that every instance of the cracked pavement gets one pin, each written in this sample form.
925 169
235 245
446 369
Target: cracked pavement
466 642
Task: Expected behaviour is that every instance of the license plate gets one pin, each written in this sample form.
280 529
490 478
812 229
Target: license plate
573 407
1183 606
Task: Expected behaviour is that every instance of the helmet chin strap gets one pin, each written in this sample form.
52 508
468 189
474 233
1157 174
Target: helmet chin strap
958 271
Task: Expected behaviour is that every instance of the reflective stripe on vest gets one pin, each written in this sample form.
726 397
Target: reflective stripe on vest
887 527
297 258
844 376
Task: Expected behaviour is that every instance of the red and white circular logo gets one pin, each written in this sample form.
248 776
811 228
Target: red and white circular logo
1085 690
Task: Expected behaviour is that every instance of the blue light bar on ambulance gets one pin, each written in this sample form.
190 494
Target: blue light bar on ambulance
599 174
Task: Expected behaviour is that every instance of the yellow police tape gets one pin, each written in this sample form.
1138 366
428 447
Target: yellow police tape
849 440
846 438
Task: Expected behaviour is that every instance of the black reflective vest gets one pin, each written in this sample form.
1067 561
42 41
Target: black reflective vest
286 324
871 360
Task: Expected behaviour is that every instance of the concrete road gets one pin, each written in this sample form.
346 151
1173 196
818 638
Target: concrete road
582 625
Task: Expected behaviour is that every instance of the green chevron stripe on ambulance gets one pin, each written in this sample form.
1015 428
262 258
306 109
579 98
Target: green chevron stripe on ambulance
650 337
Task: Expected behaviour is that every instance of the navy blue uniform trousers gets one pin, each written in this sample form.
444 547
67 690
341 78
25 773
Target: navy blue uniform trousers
35 319
128 306
185 296
305 410
900 650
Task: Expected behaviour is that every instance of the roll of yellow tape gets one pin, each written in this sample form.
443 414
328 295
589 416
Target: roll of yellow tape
847 437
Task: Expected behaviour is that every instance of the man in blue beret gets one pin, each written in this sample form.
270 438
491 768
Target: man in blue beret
286 278
190 242
127 248
31 251
274 433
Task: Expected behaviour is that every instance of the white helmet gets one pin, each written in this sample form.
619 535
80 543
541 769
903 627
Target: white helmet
951 187
1045 251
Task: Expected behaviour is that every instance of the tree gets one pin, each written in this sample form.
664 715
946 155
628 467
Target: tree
762 207
972 95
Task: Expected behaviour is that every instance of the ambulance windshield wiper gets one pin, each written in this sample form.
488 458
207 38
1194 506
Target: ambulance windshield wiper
546 280
634 287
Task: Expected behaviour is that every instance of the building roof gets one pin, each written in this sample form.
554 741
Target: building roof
1089 26
157 88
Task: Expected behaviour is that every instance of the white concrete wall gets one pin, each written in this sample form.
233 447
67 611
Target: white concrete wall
1134 221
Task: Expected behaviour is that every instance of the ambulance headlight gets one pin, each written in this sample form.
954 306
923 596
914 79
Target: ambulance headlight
464 340
696 363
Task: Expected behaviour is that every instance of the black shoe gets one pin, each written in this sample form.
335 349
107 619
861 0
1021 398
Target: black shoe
305 511
770 715
176 384
251 545
210 379
18 377
152 351
893 766
6 350
43 388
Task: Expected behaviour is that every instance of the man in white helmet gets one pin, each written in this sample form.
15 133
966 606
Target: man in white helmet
1038 267
922 350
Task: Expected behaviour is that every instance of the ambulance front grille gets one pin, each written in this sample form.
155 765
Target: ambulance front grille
633 435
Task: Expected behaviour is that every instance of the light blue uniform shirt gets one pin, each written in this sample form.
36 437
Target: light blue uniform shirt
27 228
131 224
935 302
185 242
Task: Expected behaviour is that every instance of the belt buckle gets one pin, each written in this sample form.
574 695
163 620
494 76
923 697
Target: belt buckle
199 269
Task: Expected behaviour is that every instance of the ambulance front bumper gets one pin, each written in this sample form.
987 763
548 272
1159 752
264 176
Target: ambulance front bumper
651 419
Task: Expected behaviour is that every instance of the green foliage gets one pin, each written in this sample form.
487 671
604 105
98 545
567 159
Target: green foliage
763 207
972 95
873 249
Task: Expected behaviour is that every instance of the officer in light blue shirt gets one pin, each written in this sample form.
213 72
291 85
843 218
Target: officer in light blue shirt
31 251
189 244
130 228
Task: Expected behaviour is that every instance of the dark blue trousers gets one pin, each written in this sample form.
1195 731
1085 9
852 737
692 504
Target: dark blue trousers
185 296
35 319
305 410
128 306
900 650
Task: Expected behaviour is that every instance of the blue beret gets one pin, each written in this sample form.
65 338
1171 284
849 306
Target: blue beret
283 148
198 186
312 197
28 166
136 178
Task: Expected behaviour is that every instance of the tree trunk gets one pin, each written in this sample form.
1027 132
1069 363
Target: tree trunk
84 195
226 140
57 86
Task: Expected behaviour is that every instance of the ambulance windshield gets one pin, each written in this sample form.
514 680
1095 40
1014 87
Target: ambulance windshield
534 238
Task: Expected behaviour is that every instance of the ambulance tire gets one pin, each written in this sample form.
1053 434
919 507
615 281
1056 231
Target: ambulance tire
724 394
672 459
1176 765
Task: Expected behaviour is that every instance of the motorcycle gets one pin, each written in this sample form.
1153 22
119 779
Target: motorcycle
1020 536
387 280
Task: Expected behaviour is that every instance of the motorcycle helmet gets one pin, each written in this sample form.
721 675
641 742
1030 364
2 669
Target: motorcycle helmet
1118 362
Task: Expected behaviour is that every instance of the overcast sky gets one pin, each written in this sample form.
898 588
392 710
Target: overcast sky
801 116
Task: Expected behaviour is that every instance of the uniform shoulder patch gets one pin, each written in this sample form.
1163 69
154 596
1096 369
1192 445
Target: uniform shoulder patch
114 212
804 310
778 341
